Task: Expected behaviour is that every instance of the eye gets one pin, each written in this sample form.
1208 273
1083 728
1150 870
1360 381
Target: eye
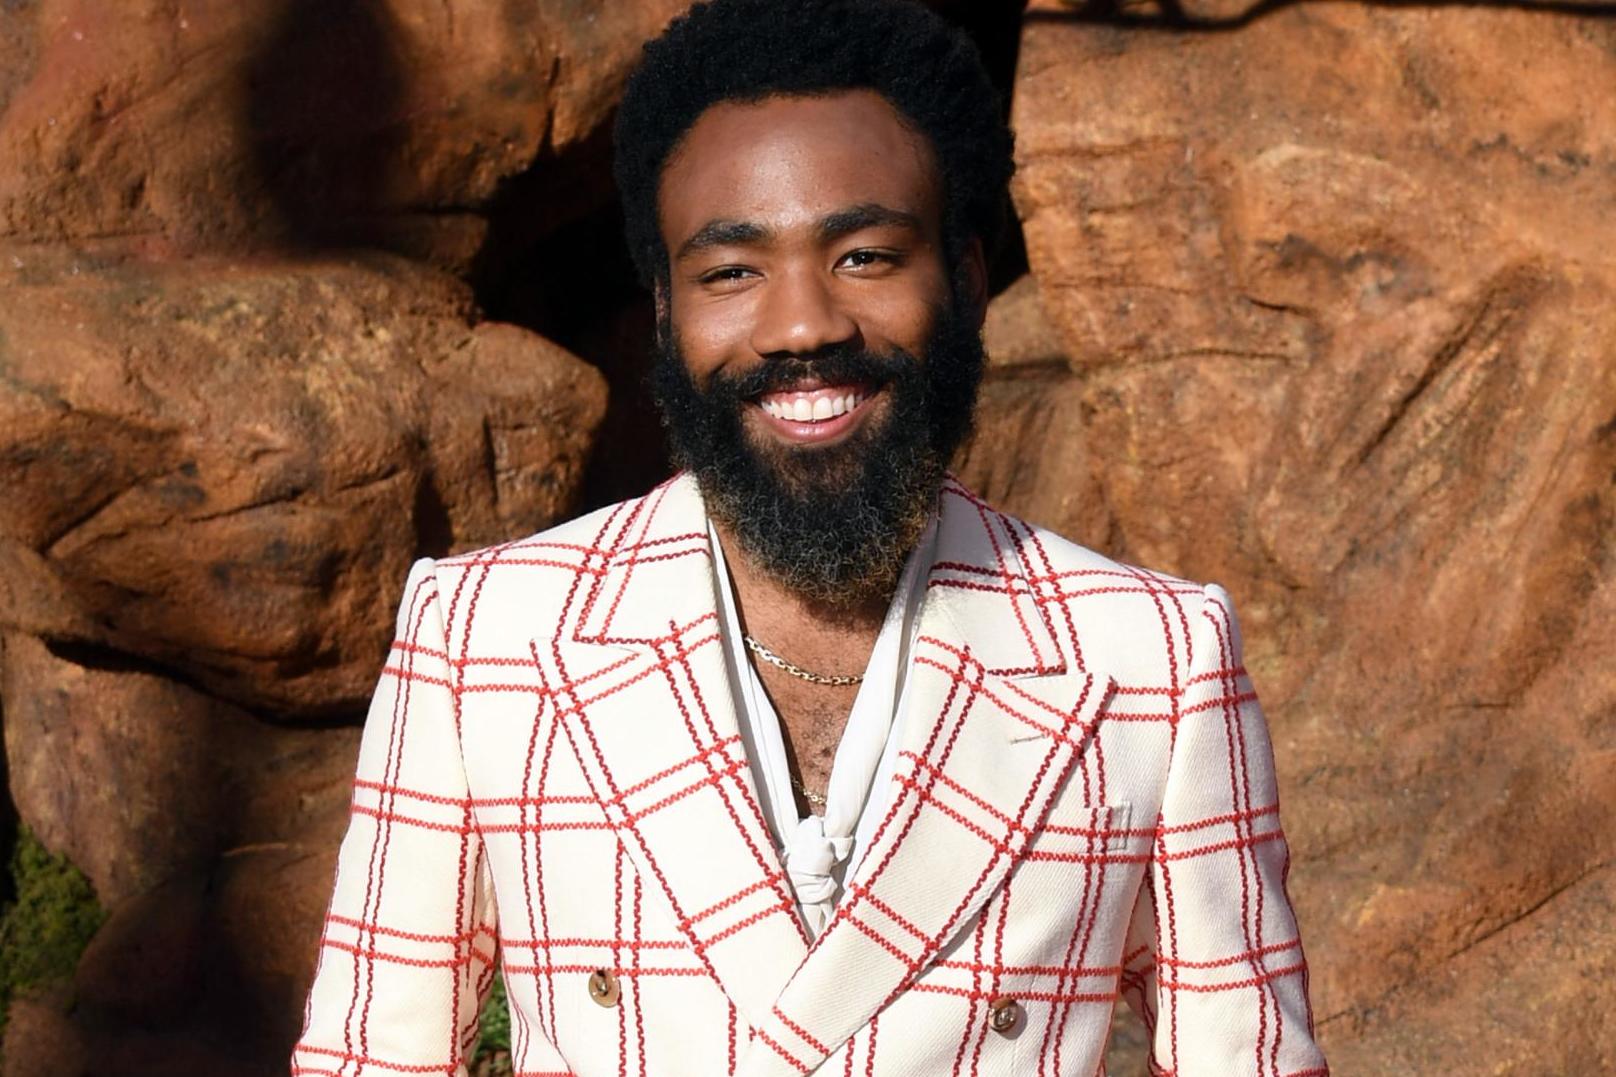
867 257
725 275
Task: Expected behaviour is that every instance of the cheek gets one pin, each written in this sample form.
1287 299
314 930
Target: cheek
905 321
711 334
903 311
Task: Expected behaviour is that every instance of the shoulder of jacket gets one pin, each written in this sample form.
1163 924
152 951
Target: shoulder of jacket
527 576
580 533
1132 601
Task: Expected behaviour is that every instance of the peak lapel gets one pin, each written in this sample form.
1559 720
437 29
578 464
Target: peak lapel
996 712
637 673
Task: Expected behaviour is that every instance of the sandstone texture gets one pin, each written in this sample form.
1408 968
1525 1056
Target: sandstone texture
1225 11
168 798
228 423
227 467
216 474
198 125
1321 306
1335 292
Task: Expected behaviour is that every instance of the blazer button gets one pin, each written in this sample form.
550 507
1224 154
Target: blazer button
1003 1015
603 988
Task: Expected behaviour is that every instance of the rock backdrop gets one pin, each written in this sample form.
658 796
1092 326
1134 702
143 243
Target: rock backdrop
1335 292
218 122
1318 301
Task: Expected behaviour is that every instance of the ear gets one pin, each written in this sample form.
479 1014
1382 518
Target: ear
973 279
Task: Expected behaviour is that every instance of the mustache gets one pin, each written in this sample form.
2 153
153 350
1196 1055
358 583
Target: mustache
833 366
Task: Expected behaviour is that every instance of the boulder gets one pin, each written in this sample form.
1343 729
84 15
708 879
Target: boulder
266 916
1521 994
198 126
40 1038
147 962
1028 447
1335 290
1017 332
209 837
1214 12
226 467
139 779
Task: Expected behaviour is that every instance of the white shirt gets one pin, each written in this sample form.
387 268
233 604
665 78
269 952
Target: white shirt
820 852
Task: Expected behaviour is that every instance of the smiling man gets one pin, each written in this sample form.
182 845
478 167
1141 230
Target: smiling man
809 760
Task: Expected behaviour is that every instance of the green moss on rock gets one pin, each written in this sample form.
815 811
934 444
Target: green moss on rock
45 929
493 1055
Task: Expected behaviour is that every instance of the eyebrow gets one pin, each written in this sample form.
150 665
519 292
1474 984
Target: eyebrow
724 232
865 215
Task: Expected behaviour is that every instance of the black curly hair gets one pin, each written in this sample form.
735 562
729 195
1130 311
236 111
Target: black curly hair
748 50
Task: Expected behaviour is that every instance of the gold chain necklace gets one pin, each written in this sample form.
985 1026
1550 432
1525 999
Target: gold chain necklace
797 671
816 799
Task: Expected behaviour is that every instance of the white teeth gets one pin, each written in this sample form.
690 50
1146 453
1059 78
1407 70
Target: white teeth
803 410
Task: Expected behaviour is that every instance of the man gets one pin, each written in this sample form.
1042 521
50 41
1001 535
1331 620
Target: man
808 760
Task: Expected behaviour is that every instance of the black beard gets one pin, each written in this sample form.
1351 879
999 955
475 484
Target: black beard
833 523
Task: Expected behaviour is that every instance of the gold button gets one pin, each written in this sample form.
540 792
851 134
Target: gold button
603 988
1003 1015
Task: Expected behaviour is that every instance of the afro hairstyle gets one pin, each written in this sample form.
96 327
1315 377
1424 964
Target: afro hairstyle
749 50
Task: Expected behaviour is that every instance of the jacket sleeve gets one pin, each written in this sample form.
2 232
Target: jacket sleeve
1214 962
407 951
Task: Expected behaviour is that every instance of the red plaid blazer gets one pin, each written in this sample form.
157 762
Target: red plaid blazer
552 786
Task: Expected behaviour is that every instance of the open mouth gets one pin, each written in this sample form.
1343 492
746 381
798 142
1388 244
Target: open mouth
815 412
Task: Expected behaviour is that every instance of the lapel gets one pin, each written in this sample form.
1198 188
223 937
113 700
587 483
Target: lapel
997 710
636 670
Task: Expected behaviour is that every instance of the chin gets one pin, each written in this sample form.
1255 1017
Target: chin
822 468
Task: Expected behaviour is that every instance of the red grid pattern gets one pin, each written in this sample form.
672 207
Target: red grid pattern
1084 810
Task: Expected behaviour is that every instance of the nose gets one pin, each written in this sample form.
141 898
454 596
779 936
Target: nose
800 315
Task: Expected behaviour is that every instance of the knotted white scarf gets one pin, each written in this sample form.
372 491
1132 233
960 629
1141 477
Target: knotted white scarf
819 852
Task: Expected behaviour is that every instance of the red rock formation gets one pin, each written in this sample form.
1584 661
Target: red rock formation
226 467
219 451
209 834
1320 308
1336 291
1227 11
199 125
216 474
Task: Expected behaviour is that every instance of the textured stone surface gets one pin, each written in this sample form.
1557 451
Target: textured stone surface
1336 290
1521 1000
216 474
209 837
267 948
139 779
228 466
1018 333
1320 308
19 45
1225 12
196 125
40 1039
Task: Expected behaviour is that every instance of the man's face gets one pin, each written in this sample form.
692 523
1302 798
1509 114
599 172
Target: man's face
818 356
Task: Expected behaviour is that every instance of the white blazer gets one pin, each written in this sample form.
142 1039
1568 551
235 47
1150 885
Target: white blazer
552 786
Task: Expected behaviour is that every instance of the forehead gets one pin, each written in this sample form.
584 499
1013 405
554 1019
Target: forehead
787 161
